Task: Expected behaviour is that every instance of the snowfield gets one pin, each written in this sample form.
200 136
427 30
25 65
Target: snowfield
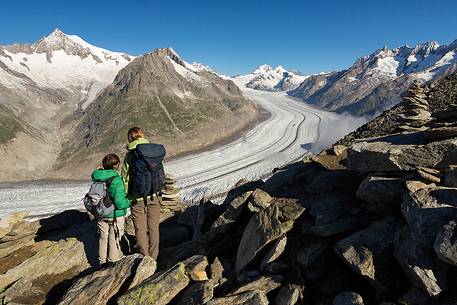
287 135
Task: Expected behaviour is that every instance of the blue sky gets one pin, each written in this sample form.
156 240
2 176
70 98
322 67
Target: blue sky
236 36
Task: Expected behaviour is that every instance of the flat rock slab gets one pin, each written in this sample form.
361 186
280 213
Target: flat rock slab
264 227
369 253
421 266
195 267
247 298
9 221
427 211
348 298
159 289
100 286
277 248
398 153
288 295
264 284
380 192
196 294
446 243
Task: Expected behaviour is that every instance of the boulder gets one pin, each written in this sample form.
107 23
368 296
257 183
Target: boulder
264 227
159 289
421 266
446 243
276 249
259 200
428 177
99 287
335 182
145 270
264 284
7 222
380 192
414 185
369 253
382 155
334 215
198 293
288 295
348 298
450 178
233 210
427 210
216 269
196 267
247 298
33 278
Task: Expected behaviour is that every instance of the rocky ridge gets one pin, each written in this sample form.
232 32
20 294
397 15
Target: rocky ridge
375 82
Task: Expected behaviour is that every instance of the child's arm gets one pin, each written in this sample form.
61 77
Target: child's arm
120 197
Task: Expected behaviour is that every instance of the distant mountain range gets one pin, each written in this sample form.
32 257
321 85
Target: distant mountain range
65 102
375 82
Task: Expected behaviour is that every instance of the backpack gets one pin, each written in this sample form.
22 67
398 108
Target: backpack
147 169
97 201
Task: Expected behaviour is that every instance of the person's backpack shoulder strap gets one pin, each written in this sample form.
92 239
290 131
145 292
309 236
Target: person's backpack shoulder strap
109 181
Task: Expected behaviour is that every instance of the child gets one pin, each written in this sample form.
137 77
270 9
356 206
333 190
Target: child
111 228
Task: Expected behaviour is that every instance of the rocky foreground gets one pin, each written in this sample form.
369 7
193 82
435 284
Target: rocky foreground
373 222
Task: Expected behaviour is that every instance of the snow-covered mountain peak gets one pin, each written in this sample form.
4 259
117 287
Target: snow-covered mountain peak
268 78
262 69
61 61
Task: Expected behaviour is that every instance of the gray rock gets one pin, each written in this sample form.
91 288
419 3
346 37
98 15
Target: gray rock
381 154
159 289
342 182
348 298
288 295
145 269
198 293
427 210
233 210
369 253
196 267
446 243
259 200
422 268
247 298
100 286
450 178
334 215
52 263
263 284
264 227
216 269
414 296
380 192
428 177
414 185
277 248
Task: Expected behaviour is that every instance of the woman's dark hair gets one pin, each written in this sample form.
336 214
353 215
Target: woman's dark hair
111 160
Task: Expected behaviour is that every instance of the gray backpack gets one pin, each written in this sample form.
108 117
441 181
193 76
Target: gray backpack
97 201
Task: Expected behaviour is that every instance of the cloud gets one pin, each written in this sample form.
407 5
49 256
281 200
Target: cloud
332 130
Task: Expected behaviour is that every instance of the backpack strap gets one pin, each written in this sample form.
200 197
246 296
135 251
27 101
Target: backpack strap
109 181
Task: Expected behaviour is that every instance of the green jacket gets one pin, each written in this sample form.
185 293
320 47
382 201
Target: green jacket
125 169
116 190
